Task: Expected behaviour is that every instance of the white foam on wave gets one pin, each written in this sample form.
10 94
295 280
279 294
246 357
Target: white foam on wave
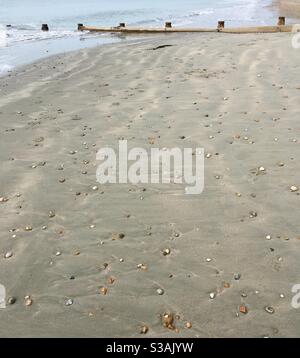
28 32
5 68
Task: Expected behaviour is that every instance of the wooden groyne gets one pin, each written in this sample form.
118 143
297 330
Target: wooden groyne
122 28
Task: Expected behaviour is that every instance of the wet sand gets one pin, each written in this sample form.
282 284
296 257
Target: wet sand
234 250
288 7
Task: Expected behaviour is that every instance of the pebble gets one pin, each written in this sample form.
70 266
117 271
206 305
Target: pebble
142 267
11 300
51 214
237 276
166 252
160 291
294 188
268 237
58 253
208 155
253 214
28 228
269 309
212 295
144 329
167 320
95 188
116 236
208 259
188 325
243 309
69 302
8 255
28 301
3 199
103 290
282 295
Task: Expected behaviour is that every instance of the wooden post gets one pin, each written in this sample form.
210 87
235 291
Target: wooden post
221 25
122 24
168 24
281 21
45 27
79 27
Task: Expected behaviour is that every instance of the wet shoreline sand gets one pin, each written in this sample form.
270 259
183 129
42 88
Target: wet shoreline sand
233 250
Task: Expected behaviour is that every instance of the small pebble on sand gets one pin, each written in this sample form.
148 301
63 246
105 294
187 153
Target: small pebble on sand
8 255
69 302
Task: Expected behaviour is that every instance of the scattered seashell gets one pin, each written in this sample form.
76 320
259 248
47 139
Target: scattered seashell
51 214
160 291
144 329
3 199
294 188
8 255
28 228
116 236
58 253
69 302
103 290
208 155
188 325
28 301
95 188
237 276
253 214
111 280
142 267
167 320
268 237
166 252
282 295
243 309
11 300
269 309
208 259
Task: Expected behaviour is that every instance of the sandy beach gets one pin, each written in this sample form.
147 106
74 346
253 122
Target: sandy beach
232 252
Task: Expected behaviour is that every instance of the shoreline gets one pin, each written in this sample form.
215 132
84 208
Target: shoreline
225 265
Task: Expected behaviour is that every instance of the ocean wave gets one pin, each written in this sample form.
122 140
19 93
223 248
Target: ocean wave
28 32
